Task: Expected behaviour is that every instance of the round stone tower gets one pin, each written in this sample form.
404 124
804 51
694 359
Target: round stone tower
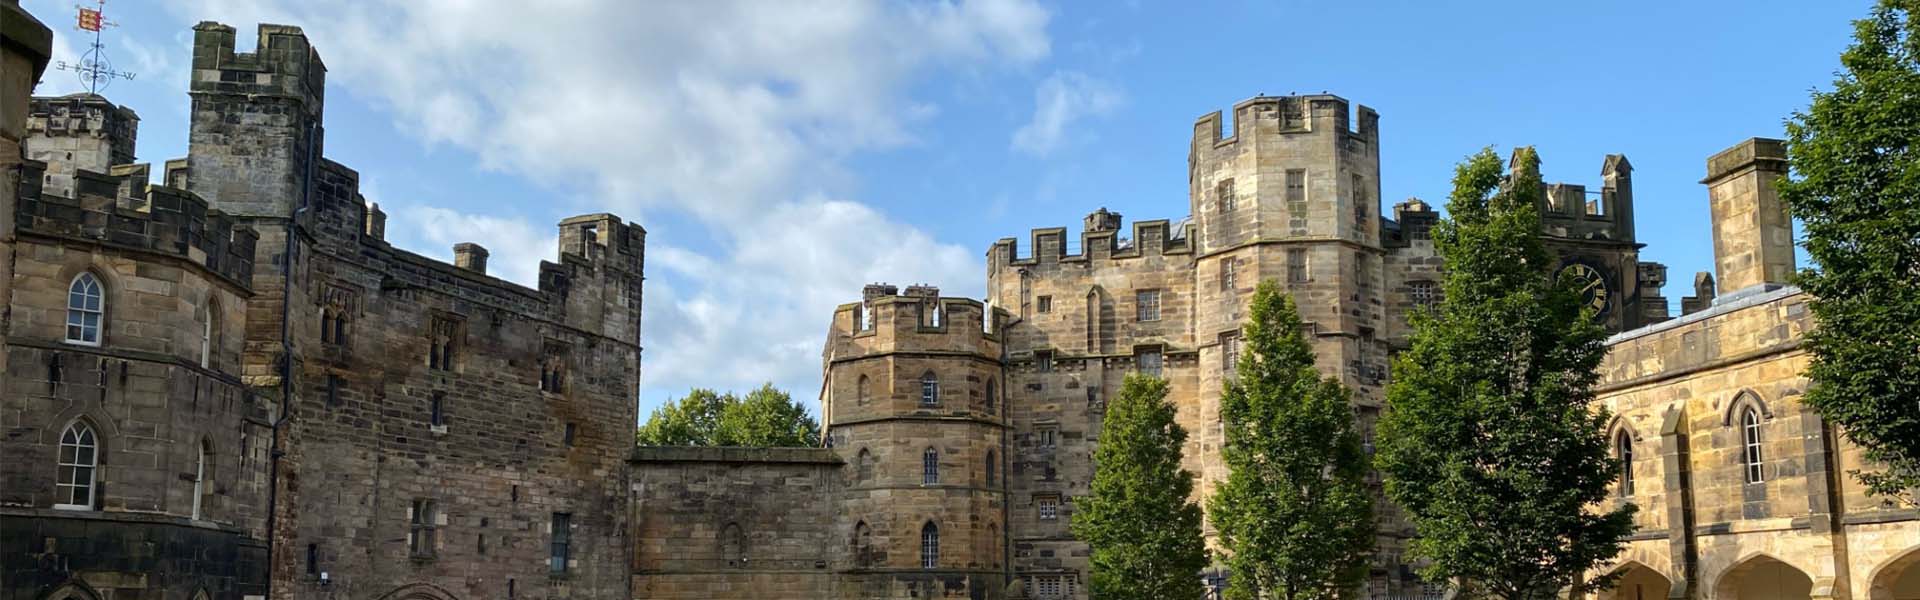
914 403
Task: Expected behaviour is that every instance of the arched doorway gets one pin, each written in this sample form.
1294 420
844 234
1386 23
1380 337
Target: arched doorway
1764 577
1899 579
1637 582
72 590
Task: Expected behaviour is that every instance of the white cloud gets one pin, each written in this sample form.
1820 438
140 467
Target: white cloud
514 246
737 113
1062 99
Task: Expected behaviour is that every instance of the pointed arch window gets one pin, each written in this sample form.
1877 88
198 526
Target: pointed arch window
208 333
929 546
733 545
929 389
863 465
930 466
1623 450
1750 438
79 458
202 477
862 543
86 309
992 466
991 401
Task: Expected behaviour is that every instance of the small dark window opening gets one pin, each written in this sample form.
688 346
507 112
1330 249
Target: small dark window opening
313 560
333 390
571 431
439 409
562 542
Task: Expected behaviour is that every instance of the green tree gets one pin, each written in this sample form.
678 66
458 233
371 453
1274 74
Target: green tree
1490 442
1294 511
767 417
1144 529
1856 151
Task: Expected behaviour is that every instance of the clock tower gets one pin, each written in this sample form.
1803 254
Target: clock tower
1591 235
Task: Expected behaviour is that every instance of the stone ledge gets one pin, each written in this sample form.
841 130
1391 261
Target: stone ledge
734 454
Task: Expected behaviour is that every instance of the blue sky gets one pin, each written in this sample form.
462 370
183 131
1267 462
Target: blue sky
783 153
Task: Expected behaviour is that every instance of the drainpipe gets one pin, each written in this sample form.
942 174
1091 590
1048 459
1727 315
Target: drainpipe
286 357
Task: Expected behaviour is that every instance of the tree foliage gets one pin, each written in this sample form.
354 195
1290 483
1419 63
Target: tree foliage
766 417
1489 441
1856 151
1138 518
1294 511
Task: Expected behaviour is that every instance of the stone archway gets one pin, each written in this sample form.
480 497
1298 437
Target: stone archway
1899 579
419 591
72 590
1637 582
1762 577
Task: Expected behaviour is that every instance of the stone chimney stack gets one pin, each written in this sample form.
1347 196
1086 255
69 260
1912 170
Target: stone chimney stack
1752 236
470 256
376 222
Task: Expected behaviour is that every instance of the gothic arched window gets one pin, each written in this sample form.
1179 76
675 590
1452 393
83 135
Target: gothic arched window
1750 436
86 308
79 457
929 546
1623 450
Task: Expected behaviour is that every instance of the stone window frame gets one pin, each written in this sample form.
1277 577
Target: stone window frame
1046 507
1360 211
1229 353
1043 361
1225 199
1146 305
1424 293
1623 452
1299 266
992 400
1749 414
929 546
862 391
445 337
84 436
733 545
209 329
930 466
929 389
87 285
1150 360
1043 304
553 366
1229 274
336 313
861 544
993 470
863 465
422 528
203 474
437 411
1296 186
560 543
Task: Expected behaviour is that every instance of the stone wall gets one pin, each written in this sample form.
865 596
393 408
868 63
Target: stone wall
737 523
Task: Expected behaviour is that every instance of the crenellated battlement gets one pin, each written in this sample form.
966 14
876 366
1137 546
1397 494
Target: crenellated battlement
919 320
1288 115
120 208
1570 210
1099 242
283 63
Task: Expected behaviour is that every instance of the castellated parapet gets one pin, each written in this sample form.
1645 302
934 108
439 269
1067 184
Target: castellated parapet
76 132
123 210
912 403
256 119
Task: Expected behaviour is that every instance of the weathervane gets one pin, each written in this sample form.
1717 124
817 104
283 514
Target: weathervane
94 69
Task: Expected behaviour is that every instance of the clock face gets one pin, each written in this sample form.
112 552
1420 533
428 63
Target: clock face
1591 285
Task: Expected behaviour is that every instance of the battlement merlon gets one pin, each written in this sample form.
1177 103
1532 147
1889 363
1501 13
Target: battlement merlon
283 63
1291 115
1157 237
927 324
121 209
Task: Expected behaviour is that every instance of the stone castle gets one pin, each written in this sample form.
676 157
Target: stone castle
229 386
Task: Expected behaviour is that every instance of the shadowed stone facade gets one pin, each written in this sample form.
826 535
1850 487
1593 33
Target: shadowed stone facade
263 398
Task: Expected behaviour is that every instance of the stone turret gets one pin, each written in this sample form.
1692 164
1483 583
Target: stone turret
913 405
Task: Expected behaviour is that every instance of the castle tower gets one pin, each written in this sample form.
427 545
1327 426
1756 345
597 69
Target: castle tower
1592 235
79 132
1291 194
255 137
913 406
1752 236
